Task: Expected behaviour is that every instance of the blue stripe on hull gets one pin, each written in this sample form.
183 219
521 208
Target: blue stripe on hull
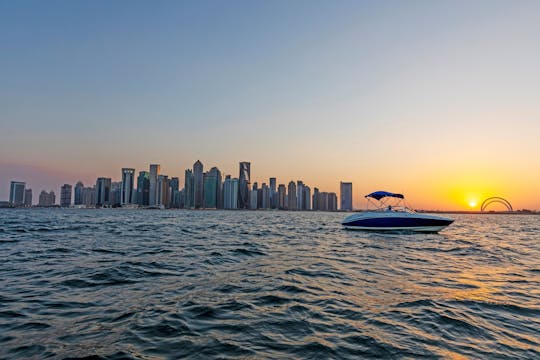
395 222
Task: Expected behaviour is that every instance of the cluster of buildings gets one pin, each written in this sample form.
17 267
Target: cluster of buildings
200 190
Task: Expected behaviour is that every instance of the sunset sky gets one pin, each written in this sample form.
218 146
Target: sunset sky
439 100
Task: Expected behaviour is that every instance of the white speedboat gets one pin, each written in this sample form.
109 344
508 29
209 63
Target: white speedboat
397 217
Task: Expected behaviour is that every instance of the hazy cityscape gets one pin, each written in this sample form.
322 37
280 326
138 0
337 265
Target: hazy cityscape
197 190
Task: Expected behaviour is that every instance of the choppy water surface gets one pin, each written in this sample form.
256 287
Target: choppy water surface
203 284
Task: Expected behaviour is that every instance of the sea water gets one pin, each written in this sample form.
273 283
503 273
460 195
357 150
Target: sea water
147 284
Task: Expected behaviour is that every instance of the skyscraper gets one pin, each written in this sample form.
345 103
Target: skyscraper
332 201
253 197
212 189
103 192
89 196
282 197
78 195
315 202
16 193
128 177
198 184
143 188
265 197
153 185
230 193
307 198
273 193
174 189
46 198
291 199
219 195
115 194
163 196
27 197
299 195
65 195
345 193
189 195
244 180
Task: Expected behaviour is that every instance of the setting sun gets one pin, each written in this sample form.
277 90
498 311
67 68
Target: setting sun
472 204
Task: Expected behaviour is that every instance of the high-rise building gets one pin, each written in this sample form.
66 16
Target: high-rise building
143 188
153 184
219 195
163 196
65 195
273 193
322 202
27 197
116 193
103 192
265 197
244 180
307 198
89 196
78 193
253 197
16 193
315 201
179 199
332 201
189 185
291 199
174 184
198 184
47 198
299 195
210 190
174 189
282 197
128 178
345 193
230 193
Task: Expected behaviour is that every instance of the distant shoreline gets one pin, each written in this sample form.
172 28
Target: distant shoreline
465 212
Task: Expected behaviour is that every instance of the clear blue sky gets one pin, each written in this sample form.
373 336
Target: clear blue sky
315 90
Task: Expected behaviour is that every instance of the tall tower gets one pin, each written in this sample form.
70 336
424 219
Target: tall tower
103 191
16 193
143 188
79 188
28 197
198 186
189 196
212 189
315 201
65 195
153 190
163 196
299 195
128 177
273 193
282 197
345 194
292 196
244 180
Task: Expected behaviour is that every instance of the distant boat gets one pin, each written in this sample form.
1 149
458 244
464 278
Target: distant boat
396 217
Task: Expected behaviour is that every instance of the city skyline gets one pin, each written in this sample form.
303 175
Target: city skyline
355 197
202 190
435 100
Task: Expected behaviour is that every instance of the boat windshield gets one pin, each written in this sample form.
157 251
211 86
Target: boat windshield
386 201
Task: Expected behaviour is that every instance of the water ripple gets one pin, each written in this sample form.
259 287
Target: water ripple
122 284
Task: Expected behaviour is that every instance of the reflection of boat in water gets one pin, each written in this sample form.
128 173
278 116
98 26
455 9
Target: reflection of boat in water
392 214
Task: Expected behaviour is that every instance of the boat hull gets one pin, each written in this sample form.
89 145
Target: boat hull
396 221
